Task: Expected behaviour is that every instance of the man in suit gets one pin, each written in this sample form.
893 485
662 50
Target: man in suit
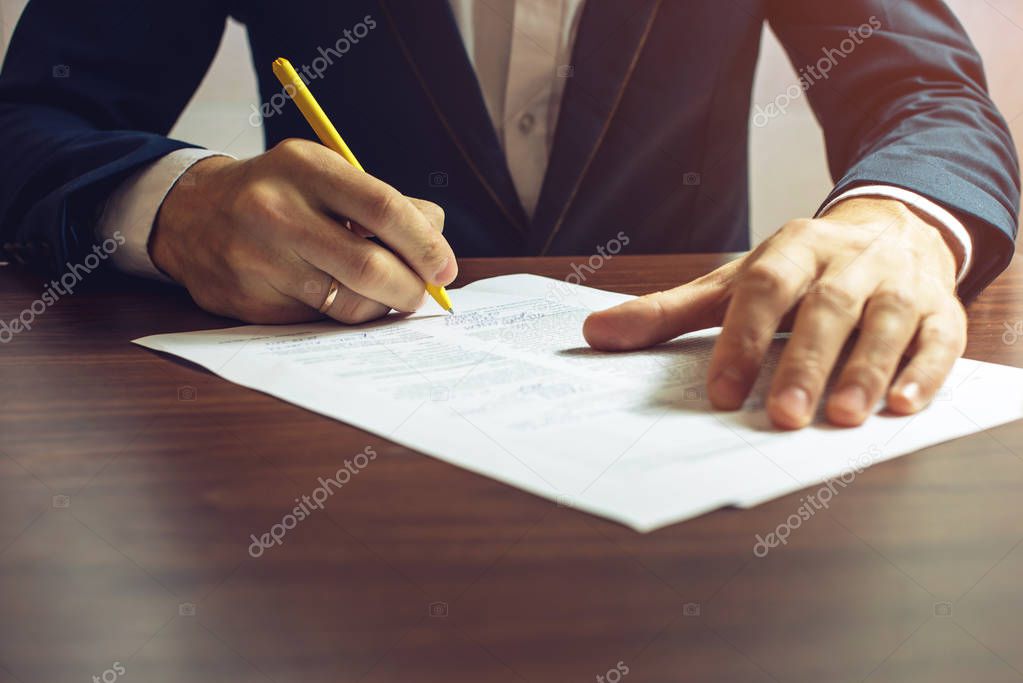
540 127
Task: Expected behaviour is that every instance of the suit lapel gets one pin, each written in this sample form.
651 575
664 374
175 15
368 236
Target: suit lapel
429 38
611 36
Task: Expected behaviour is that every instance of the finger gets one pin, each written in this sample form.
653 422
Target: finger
940 341
433 212
353 309
359 264
826 317
890 321
258 303
657 317
386 213
347 307
766 288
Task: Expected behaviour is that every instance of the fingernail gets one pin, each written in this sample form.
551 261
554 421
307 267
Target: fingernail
852 400
728 390
447 273
910 392
794 402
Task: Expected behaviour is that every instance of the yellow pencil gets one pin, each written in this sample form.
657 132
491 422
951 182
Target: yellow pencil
329 136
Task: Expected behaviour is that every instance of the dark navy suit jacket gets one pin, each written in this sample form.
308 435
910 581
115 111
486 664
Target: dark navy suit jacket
652 135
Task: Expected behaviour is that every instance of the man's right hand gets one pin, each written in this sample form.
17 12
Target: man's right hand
260 239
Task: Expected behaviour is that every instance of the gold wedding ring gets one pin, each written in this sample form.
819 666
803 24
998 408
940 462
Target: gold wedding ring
335 287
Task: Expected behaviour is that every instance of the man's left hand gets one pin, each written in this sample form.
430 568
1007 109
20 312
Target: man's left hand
872 265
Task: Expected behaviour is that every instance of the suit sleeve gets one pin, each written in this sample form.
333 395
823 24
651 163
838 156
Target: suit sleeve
900 92
88 94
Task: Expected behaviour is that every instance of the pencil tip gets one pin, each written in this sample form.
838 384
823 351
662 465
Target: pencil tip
451 311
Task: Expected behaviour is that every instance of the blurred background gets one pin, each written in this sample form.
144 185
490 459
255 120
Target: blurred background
788 168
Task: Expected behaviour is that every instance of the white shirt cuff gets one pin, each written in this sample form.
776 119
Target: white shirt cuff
951 225
131 210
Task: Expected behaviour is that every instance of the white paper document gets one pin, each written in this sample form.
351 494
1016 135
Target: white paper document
508 388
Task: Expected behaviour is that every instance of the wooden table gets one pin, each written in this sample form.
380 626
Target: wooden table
130 484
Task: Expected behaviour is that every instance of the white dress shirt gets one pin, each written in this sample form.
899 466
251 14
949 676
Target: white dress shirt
521 51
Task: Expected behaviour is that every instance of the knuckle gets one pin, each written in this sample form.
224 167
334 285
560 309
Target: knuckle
943 337
805 366
798 228
866 374
261 202
438 213
434 253
382 206
237 258
764 278
292 148
747 344
251 266
244 306
897 301
879 353
813 369
370 268
433 212
832 295
657 301
206 301
353 310
412 300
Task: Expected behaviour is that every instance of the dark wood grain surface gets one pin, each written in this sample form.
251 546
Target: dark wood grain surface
131 482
